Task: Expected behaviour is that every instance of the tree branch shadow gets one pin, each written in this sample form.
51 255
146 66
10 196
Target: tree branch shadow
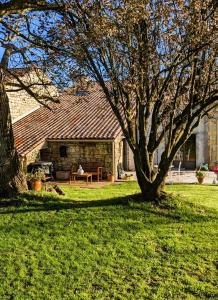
37 203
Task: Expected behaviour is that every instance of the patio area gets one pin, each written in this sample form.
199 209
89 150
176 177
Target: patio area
173 178
81 184
186 177
189 177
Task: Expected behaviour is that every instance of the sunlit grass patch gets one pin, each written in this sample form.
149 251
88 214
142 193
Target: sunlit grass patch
106 244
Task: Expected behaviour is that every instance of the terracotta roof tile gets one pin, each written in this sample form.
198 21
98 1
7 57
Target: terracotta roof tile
73 118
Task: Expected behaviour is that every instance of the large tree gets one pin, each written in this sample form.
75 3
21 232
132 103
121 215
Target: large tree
154 60
17 53
159 58
11 175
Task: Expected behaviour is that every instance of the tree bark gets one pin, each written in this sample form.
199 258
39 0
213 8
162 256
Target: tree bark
12 178
152 189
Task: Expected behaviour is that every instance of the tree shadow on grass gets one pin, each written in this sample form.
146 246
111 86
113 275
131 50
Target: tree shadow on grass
32 202
38 203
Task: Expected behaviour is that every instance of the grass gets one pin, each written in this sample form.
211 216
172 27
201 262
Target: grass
102 244
198 194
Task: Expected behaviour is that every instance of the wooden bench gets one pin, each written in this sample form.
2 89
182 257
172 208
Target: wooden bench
94 168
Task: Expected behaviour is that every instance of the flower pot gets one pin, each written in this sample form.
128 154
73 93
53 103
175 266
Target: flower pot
110 178
200 179
36 185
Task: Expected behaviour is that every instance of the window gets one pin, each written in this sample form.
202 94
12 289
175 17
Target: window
63 151
81 93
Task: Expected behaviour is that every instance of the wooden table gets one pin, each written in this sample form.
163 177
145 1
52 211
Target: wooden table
84 175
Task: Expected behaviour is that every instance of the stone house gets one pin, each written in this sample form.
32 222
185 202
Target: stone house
85 130
73 132
201 148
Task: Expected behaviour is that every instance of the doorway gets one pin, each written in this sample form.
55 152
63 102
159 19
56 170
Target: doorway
187 154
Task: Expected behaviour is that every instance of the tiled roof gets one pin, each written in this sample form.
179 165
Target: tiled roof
74 118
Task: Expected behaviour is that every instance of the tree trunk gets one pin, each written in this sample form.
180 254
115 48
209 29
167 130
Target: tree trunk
12 178
152 191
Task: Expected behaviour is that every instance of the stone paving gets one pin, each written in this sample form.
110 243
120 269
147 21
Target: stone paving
187 177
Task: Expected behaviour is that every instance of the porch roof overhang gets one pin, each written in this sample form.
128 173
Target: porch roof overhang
72 119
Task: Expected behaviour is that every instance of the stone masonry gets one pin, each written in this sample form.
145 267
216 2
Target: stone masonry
108 154
79 152
21 103
213 138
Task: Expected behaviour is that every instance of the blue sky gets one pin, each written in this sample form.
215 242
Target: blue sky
1 52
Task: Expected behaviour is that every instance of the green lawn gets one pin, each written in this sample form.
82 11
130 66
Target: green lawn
102 244
199 194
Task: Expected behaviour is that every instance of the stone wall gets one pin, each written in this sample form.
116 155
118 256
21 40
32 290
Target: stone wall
33 155
123 156
79 152
108 154
201 148
201 143
118 155
21 103
213 139
129 164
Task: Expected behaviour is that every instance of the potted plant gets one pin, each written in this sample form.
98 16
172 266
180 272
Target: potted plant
200 176
110 176
35 180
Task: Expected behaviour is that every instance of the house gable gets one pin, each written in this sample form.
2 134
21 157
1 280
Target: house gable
21 103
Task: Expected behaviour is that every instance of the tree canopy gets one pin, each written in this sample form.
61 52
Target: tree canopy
159 58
